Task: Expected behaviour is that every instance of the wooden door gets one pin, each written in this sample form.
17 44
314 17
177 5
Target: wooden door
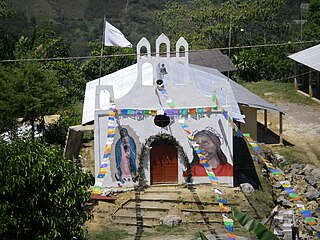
164 164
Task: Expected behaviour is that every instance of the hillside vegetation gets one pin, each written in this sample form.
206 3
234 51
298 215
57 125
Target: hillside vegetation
81 21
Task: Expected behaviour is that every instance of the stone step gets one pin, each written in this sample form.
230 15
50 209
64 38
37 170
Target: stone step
134 213
217 221
148 206
141 222
214 210
129 216
169 191
177 199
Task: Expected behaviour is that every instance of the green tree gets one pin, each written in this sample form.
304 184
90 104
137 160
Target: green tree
113 59
205 24
7 41
69 77
209 24
56 133
45 44
265 63
42 195
39 87
33 92
311 29
9 106
4 12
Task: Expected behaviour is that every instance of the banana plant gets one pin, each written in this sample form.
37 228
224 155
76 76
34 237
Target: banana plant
253 225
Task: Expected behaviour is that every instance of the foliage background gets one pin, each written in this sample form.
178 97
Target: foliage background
42 195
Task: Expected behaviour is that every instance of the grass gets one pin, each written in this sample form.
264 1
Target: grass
163 230
108 234
277 91
111 233
291 154
262 199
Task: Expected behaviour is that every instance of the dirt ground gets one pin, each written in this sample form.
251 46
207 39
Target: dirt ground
186 231
301 127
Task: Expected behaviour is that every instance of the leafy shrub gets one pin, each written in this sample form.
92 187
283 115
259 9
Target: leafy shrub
42 195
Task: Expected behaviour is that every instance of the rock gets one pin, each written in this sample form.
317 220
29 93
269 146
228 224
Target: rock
289 176
311 189
297 166
284 193
316 173
284 202
311 180
277 185
300 186
308 168
298 176
316 212
171 220
246 188
312 194
279 158
312 205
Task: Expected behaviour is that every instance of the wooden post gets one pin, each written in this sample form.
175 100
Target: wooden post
265 120
310 84
295 77
280 128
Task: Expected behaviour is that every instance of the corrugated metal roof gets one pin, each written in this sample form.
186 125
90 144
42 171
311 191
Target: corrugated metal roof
309 57
212 58
130 94
242 95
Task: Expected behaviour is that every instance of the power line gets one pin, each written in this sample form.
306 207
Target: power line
295 76
153 53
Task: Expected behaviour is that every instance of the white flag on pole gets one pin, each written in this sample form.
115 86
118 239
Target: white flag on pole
114 37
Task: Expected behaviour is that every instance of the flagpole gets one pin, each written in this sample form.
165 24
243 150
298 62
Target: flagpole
102 43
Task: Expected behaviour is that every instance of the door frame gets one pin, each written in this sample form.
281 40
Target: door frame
165 172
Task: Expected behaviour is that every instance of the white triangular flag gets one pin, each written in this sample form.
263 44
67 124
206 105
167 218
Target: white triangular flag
114 37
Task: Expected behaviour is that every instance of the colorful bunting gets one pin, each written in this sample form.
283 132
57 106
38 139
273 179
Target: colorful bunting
293 195
213 179
106 153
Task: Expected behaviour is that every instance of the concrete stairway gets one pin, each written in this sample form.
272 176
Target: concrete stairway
148 207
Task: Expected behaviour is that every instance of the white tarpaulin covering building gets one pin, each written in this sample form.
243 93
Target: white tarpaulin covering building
160 103
123 81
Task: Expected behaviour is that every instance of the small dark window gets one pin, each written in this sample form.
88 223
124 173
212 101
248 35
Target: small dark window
161 120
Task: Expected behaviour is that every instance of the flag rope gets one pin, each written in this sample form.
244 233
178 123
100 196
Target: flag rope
228 222
105 162
278 174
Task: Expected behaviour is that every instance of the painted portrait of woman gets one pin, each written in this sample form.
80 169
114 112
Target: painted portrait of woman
209 142
125 152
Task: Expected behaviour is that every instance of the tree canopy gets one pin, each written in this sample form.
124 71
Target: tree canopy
311 29
227 24
96 66
205 24
42 195
4 12
32 92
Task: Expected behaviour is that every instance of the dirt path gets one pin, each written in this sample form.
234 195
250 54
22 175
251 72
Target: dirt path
301 127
